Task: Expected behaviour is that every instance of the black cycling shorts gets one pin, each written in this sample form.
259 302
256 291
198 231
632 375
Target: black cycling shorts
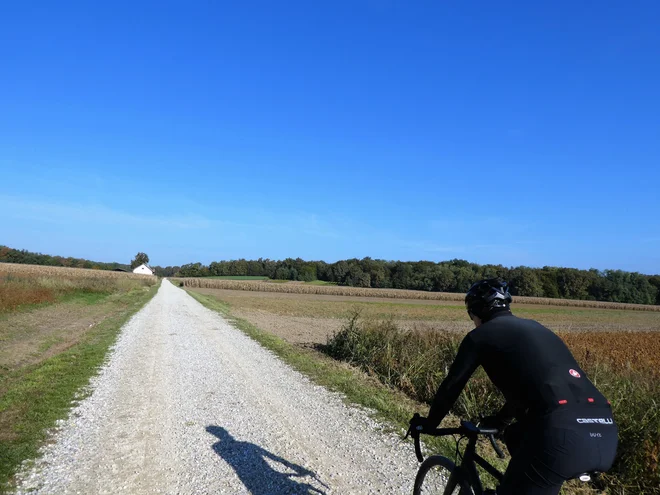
549 450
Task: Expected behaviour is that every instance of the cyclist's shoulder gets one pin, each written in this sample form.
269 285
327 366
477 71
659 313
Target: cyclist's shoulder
510 321
506 325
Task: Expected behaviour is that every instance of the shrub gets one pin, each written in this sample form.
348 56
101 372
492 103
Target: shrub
417 362
414 361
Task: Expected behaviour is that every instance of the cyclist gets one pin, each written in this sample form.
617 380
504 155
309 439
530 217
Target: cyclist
564 424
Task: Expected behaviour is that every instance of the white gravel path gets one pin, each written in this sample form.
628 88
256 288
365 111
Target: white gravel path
187 404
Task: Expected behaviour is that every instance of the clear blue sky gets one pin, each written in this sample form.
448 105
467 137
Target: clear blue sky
497 132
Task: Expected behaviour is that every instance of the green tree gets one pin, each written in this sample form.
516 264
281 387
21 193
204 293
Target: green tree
307 273
192 270
548 277
655 282
525 282
282 273
140 259
443 279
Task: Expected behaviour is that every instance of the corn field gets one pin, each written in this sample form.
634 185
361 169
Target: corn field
336 290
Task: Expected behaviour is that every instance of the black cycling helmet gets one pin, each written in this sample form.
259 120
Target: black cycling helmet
487 296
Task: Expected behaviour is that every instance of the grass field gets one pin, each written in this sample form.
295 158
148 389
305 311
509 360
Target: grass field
412 341
56 325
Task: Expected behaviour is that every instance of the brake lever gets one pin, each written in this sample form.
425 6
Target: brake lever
497 448
415 434
418 449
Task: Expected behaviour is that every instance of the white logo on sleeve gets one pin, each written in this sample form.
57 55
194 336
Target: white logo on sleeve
574 373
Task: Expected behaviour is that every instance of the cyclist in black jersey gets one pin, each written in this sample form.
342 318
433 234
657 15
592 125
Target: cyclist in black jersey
564 426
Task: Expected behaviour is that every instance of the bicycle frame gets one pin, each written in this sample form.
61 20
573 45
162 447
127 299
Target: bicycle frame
469 466
467 469
470 458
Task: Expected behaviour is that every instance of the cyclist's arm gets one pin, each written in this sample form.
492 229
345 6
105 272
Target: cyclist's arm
465 363
508 413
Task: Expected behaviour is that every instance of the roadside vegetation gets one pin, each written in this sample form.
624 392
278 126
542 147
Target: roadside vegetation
624 366
56 326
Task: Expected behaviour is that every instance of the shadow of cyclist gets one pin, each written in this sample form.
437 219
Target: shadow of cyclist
249 462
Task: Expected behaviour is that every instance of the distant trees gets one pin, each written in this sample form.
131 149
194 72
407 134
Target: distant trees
10 255
449 276
525 281
655 282
140 259
168 271
193 270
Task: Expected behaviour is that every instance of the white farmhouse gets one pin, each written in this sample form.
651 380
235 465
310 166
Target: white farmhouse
143 270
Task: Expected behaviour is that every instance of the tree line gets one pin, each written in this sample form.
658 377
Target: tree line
22 256
448 276
444 276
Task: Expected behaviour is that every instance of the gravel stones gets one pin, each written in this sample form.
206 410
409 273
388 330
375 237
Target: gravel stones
187 404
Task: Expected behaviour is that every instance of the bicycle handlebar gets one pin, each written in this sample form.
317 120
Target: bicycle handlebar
465 429
418 449
498 451
438 432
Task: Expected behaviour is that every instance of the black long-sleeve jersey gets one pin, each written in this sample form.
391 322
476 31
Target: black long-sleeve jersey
526 361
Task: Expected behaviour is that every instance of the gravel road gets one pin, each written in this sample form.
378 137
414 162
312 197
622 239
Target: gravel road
187 404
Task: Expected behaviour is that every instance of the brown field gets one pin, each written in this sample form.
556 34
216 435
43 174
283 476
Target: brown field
311 318
336 290
621 351
31 284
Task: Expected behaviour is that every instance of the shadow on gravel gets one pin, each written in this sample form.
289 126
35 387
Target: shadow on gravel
250 463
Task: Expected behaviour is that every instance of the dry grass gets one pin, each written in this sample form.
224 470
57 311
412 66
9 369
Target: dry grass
22 285
620 351
391 293
64 272
622 366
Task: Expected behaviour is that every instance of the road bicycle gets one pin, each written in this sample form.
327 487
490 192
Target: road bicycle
440 475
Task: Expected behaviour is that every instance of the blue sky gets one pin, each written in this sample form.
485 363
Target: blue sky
521 133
